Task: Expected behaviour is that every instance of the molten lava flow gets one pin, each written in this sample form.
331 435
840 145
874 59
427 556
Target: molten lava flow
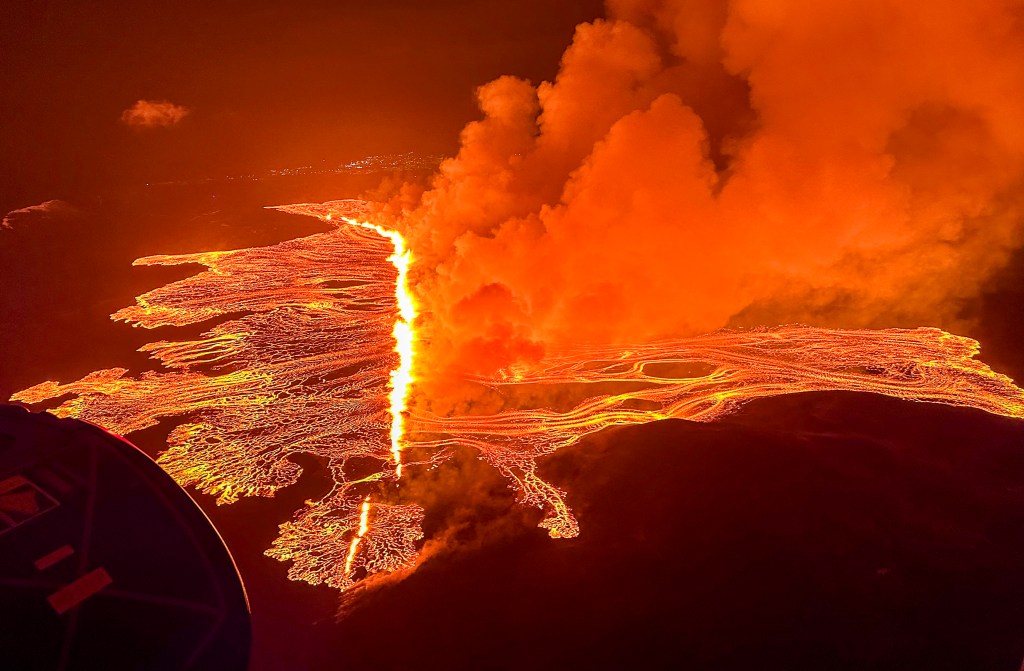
303 370
702 379
321 363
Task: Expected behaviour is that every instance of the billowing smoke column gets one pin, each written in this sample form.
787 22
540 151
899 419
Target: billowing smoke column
699 163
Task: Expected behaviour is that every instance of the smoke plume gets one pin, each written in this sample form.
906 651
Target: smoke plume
697 164
153 114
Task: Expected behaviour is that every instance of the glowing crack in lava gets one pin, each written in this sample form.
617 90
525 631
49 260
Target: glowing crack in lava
320 362
401 377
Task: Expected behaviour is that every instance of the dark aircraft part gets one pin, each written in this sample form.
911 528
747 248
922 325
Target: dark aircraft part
105 562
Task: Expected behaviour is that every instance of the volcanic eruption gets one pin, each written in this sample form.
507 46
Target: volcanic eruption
642 238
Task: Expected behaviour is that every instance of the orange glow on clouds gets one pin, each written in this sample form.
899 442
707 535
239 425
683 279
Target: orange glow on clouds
154 114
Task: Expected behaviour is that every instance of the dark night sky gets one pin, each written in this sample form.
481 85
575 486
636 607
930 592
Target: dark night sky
269 84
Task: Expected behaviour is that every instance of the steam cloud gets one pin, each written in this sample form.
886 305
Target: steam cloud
697 164
154 114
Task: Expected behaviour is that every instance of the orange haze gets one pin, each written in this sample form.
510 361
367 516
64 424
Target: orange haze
697 164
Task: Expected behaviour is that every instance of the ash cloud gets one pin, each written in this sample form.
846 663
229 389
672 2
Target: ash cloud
154 114
698 164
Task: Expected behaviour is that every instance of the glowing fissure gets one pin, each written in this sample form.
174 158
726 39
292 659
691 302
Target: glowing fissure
401 377
321 363
364 519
